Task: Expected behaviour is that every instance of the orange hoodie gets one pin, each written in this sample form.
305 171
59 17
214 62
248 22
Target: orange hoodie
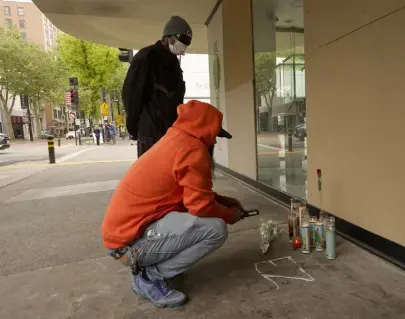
174 175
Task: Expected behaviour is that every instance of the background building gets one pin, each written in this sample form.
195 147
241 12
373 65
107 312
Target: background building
33 26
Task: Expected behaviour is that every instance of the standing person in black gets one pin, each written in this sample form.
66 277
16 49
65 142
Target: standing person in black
97 135
154 86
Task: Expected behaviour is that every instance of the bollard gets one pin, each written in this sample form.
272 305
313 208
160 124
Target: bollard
290 148
59 141
51 149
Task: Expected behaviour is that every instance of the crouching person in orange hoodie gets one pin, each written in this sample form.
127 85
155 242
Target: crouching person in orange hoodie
164 215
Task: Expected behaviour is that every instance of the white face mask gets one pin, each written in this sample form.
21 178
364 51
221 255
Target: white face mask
178 48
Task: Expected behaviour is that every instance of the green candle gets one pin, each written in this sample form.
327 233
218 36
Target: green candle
330 238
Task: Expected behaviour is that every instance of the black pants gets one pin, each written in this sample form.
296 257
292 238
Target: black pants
98 139
143 147
144 144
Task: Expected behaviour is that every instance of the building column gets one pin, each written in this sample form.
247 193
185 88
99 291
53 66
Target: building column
230 48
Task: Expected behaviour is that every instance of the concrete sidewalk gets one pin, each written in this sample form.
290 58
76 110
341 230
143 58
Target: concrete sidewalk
232 283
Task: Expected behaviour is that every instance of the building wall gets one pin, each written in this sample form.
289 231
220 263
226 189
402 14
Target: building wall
34 27
354 79
217 78
231 67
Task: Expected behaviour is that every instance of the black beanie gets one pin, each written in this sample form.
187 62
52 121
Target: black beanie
177 25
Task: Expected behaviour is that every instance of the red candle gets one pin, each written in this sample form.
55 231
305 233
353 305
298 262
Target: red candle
296 243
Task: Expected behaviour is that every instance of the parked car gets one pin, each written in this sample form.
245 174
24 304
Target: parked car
71 134
300 131
4 141
44 134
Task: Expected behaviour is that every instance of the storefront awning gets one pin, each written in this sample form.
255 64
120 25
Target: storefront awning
127 23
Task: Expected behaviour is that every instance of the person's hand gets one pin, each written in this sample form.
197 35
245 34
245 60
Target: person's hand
237 214
233 202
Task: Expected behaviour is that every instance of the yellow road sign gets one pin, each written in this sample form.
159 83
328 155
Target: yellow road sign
118 120
104 109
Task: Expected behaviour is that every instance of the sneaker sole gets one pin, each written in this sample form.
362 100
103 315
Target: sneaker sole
180 304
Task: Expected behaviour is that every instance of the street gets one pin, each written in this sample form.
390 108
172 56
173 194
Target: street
53 264
25 151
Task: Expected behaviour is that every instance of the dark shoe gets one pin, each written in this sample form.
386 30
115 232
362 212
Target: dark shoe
158 292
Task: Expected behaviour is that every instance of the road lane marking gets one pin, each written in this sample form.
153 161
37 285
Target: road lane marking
66 164
67 145
277 153
73 155
269 147
95 162
67 190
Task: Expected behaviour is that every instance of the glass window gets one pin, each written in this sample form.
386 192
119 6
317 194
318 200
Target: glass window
21 23
9 22
7 11
278 33
23 35
20 11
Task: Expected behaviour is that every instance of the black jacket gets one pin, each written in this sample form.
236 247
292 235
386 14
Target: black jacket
153 88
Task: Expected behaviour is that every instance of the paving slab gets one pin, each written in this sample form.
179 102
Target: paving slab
227 284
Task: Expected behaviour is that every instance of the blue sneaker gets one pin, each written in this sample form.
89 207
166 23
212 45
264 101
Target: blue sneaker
158 292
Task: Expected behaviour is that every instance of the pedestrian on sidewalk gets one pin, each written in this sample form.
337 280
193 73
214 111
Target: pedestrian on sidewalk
164 215
97 133
154 86
113 132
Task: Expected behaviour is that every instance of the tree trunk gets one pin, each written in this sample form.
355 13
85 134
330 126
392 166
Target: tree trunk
38 124
36 116
8 111
10 126
269 103
30 123
91 125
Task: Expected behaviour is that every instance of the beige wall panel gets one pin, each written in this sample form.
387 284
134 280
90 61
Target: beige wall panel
331 19
217 80
238 71
231 72
355 106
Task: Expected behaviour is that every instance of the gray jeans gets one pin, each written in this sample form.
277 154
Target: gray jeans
172 244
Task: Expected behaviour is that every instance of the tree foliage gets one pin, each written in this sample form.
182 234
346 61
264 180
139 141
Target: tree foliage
266 81
95 65
25 69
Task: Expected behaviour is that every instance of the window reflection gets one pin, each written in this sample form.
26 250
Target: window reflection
278 32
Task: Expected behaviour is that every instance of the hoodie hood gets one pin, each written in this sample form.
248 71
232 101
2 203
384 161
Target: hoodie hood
199 119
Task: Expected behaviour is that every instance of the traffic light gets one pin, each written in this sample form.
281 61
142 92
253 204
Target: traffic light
125 55
73 81
74 97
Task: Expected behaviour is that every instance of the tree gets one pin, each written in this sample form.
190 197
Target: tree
96 66
14 70
266 80
25 69
114 87
47 83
